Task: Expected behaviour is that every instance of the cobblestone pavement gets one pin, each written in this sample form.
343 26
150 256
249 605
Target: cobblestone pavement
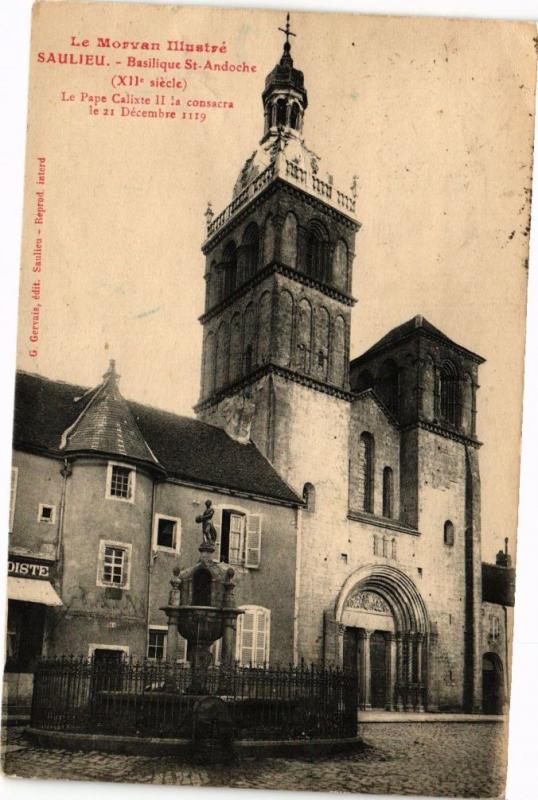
440 759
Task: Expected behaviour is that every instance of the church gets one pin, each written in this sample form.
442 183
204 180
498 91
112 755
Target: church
346 491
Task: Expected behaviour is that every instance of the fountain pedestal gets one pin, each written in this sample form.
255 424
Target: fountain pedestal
201 607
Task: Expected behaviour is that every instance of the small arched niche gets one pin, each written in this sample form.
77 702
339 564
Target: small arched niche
201 588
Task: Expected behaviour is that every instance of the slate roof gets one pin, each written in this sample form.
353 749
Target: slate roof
106 425
498 584
186 448
417 323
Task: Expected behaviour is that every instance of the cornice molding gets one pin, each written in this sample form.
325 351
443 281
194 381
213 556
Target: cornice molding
277 183
381 522
273 369
442 431
276 268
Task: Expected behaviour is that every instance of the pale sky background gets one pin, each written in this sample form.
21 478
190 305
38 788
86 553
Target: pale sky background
13 88
433 116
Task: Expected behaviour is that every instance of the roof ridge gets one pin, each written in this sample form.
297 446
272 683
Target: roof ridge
187 448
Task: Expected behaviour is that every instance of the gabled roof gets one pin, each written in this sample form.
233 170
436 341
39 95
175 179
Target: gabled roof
186 448
420 324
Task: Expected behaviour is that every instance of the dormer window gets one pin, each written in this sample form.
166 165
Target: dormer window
120 484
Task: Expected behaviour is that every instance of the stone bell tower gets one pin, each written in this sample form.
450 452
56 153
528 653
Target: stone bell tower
278 291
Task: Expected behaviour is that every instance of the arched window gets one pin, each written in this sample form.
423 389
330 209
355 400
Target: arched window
366 458
317 252
222 356
388 385
340 265
448 390
268 241
294 116
212 284
251 249
229 259
388 492
448 534
281 112
309 496
208 367
288 247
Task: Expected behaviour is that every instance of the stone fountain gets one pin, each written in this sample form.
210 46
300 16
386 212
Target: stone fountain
201 607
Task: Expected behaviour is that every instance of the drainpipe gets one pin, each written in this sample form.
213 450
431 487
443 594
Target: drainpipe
506 661
65 472
298 554
152 555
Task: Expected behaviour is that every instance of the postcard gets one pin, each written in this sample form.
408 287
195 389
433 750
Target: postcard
268 399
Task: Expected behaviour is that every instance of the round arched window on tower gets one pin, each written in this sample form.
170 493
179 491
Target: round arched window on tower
309 496
294 116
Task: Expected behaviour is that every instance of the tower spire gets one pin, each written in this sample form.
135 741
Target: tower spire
287 33
284 98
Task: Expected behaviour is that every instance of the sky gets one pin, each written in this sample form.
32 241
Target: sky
433 118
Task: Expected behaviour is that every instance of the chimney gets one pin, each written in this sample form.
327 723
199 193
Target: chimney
503 559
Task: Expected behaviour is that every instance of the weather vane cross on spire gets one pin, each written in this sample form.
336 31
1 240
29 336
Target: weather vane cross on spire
287 30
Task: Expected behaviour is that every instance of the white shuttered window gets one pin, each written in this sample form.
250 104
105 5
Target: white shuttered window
253 545
253 636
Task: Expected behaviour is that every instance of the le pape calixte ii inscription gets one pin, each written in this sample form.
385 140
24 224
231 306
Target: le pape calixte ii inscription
140 79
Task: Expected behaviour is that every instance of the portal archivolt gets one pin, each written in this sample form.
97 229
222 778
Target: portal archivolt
386 637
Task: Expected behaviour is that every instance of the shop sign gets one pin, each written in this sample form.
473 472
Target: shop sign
26 567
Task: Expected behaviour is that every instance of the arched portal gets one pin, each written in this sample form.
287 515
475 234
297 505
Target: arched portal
385 636
492 684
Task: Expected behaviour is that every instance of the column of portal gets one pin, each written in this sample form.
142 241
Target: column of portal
420 671
410 641
390 653
399 671
364 671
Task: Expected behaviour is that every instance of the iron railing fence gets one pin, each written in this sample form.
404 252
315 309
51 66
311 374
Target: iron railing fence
152 698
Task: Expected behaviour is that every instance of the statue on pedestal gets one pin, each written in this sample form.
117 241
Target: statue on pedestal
208 529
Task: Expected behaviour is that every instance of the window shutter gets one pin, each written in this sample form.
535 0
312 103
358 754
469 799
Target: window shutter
246 639
217 524
100 563
181 649
13 496
254 541
262 637
178 536
126 568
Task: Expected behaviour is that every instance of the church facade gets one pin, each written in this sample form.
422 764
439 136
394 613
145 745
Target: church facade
383 448
346 492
